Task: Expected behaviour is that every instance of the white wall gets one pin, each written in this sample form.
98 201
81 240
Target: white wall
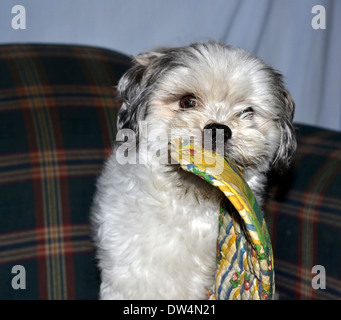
279 31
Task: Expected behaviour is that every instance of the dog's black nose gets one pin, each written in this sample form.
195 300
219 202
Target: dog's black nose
214 126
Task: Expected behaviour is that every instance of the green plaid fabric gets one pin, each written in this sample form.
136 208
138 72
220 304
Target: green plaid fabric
304 216
57 124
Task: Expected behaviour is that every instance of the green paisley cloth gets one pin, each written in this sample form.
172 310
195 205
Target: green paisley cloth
244 253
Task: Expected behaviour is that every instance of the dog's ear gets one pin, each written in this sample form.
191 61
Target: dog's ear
287 146
134 89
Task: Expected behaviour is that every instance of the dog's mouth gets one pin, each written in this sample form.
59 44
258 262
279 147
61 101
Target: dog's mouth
189 152
217 138
214 147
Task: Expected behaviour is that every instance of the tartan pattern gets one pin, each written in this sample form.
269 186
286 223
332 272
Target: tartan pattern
304 217
57 123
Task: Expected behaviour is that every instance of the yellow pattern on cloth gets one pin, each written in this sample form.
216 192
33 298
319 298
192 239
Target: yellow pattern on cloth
244 253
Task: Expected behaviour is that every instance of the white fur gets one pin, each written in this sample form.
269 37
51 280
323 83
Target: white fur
156 226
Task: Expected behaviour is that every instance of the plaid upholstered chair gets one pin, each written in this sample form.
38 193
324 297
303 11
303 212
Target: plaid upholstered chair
57 124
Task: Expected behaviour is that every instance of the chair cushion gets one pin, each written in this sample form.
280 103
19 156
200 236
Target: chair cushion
57 124
304 216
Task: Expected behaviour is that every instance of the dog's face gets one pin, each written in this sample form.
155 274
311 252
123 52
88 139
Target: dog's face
212 86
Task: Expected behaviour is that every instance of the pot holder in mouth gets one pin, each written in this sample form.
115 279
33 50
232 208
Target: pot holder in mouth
244 254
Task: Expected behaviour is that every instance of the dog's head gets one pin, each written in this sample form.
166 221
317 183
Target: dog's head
212 86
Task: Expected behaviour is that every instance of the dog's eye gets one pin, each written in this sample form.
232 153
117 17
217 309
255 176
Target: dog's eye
189 101
248 112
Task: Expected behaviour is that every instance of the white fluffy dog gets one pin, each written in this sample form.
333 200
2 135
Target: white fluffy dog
156 226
